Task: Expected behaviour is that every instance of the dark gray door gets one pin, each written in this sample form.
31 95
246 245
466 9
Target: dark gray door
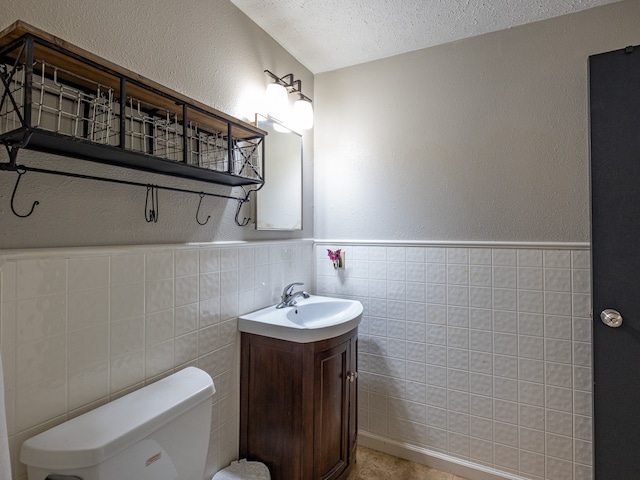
614 79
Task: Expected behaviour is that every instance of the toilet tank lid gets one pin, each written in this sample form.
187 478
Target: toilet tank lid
96 436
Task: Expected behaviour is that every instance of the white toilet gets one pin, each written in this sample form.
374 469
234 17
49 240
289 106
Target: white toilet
159 432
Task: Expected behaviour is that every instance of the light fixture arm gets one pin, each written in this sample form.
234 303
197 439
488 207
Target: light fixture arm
297 88
290 83
303 97
289 80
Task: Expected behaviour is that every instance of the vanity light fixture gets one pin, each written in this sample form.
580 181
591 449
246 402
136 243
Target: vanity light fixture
278 105
277 102
303 113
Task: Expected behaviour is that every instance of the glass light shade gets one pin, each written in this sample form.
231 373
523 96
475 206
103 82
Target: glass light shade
277 101
303 114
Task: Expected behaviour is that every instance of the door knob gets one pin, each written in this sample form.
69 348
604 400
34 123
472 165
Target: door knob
351 376
611 318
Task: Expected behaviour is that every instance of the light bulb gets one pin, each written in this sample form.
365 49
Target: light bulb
277 101
303 114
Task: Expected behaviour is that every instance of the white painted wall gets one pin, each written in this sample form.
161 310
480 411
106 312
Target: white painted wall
479 140
207 50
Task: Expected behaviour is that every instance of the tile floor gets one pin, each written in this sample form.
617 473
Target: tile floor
375 465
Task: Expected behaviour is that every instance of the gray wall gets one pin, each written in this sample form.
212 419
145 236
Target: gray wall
480 140
209 51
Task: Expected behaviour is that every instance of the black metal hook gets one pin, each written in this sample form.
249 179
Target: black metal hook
245 220
13 195
198 211
151 214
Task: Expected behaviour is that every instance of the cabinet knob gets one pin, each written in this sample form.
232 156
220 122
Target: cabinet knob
351 376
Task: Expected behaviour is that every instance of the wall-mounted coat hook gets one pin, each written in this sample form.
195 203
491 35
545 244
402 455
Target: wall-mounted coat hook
245 220
198 211
151 213
13 195
241 201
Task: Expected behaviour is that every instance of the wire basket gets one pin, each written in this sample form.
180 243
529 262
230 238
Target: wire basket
57 106
153 130
208 150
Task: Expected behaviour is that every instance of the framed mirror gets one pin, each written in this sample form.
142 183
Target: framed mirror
279 201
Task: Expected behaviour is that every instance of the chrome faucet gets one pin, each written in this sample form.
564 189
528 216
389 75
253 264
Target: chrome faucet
288 298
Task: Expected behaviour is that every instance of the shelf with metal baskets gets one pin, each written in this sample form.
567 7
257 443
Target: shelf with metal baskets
60 99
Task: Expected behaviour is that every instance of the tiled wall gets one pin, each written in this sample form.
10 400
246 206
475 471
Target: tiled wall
80 327
478 353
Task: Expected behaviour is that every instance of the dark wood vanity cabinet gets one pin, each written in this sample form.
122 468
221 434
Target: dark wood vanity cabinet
298 406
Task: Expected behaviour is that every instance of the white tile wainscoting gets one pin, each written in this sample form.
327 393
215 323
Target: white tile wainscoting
476 355
82 326
470 355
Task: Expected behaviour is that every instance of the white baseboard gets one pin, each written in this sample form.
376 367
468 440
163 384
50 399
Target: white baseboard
439 461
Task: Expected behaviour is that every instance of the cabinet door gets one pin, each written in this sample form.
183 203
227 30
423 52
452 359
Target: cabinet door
331 416
271 405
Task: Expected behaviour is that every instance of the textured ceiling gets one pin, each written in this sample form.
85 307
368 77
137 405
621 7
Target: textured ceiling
329 34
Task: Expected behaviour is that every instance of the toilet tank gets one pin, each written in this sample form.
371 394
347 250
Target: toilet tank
158 432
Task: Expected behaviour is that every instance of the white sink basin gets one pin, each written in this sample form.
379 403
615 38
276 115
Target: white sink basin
312 319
